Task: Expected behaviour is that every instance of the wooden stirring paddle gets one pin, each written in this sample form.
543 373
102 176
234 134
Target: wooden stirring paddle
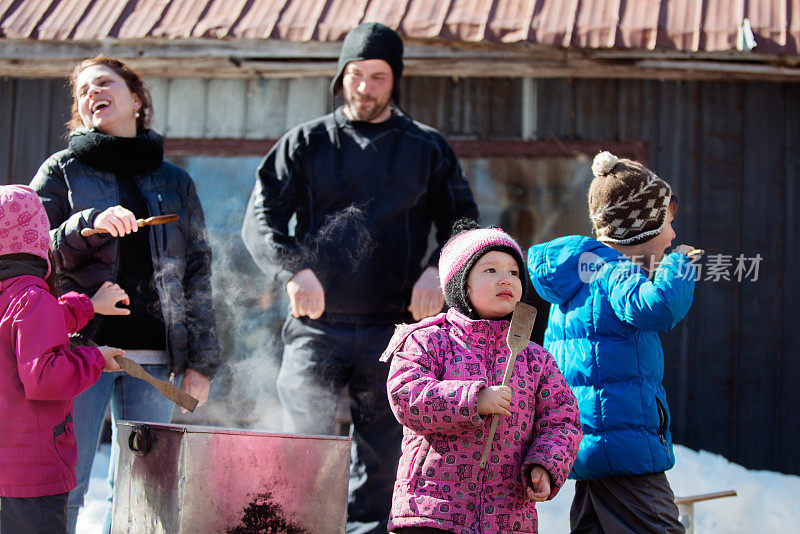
150 221
519 335
170 391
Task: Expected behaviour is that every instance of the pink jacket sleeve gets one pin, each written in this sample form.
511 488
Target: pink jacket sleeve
47 367
77 310
557 426
420 399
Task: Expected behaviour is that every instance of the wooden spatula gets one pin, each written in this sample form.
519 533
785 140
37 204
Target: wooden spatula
171 392
150 221
519 335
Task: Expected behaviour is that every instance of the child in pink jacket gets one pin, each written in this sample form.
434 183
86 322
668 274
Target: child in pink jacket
39 373
443 387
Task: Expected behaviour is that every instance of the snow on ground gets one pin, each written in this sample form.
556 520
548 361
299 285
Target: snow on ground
767 502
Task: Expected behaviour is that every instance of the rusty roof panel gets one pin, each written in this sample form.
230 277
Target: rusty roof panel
62 19
466 20
389 12
20 20
180 19
511 21
260 20
554 22
638 26
102 18
338 18
142 19
424 18
682 25
298 20
220 16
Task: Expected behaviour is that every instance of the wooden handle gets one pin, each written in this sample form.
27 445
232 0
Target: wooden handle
489 439
156 219
181 398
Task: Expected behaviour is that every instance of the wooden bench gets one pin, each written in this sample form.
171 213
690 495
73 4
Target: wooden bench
686 506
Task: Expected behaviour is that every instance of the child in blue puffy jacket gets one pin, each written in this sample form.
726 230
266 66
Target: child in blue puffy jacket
611 297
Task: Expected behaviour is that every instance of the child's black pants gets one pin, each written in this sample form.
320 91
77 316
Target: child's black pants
626 504
34 515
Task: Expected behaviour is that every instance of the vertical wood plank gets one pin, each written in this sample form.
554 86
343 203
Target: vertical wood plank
673 156
505 120
307 99
596 109
186 108
763 175
32 118
716 305
7 90
226 108
159 95
556 108
788 424
266 108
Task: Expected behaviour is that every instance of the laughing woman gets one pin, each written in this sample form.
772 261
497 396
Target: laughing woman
111 174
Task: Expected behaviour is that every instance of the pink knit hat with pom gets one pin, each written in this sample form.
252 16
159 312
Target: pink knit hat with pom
24 227
467 245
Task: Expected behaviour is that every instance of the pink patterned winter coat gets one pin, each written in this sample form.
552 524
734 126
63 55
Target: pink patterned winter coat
439 365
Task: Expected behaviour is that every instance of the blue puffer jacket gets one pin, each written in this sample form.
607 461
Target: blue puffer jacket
603 333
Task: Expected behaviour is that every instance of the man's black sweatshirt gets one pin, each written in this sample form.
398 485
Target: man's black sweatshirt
366 196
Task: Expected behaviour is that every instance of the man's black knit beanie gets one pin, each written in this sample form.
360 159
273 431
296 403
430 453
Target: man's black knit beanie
372 40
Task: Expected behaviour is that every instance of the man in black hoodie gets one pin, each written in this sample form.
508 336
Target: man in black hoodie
366 185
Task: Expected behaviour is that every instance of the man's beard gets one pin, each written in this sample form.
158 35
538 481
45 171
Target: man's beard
368 113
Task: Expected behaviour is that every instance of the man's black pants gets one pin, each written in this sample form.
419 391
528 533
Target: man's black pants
319 359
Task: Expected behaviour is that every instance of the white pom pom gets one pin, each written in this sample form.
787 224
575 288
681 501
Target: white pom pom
603 163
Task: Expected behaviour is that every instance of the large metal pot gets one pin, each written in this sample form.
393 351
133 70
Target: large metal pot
183 479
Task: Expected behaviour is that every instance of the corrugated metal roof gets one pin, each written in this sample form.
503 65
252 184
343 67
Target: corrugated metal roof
676 25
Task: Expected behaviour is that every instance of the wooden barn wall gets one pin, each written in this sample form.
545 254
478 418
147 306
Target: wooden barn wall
728 149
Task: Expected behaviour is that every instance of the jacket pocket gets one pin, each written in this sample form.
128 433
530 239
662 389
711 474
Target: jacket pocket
64 442
663 421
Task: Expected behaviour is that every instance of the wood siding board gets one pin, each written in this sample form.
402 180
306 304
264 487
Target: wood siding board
636 111
307 99
674 158
760 301
555 105
788 423
7 91
60 112
505 119
186 108
30 141
596 109
226 108
716 303
428 99
266 110
159 96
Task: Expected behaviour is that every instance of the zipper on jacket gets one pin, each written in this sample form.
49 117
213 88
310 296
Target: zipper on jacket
154 255
662 422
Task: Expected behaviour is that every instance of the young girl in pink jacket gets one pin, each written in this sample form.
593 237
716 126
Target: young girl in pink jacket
39 373
444 387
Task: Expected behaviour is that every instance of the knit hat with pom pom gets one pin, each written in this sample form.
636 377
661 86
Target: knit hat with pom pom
628 203
466 246
24 227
